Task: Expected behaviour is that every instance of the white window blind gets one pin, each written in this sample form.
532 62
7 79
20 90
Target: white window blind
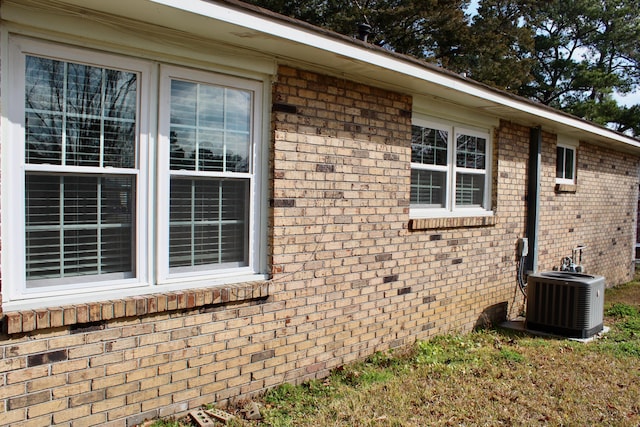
207 223
78 226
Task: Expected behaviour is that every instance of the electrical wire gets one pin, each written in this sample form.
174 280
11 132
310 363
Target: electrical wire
522 282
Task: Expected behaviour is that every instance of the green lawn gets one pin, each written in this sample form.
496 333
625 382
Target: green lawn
489 377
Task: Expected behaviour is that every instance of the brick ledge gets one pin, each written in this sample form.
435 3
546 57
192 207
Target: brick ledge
54 317
437 223
566 188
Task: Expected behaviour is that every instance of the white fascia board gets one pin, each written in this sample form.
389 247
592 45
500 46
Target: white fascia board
316 41
356 53
385 69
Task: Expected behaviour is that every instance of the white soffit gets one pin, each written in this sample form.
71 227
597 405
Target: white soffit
295 43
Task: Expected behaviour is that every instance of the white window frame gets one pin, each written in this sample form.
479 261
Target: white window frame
151 235
167 74
15 168
567 144
451 209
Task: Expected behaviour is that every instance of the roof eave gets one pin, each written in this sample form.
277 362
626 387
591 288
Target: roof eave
288 40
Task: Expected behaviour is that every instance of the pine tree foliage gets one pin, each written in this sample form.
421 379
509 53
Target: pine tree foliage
585 51
574 55
501 46
435 30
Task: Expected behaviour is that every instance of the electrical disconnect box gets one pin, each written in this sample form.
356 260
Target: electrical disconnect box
523 246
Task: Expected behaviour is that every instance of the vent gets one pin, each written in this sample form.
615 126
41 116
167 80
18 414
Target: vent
565 303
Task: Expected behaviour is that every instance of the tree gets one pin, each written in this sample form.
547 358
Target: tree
573 55
500 47
434 30
585 51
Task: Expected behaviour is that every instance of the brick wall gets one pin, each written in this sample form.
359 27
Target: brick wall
342 246
350 276
120 372
600 212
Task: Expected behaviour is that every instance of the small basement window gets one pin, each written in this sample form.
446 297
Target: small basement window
566 163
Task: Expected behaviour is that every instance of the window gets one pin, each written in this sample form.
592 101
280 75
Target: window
207 162
88 214
449 170
565 164
80 172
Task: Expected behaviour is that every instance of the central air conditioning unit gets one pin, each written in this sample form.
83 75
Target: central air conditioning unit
565 303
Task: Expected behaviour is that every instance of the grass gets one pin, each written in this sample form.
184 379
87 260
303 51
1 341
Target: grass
488 377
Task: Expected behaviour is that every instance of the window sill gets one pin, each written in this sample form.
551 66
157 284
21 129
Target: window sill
16 322
566 188
452 222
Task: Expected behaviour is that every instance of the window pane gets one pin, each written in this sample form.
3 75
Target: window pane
428 188
565 163
470 152
183 103
83 95
208 222
83 142
237 158
238 107
211 148
560 162
44 87
428 146
78 226
210 128
182 154
469 189
79 115
119 143
568 168
80 253
211 113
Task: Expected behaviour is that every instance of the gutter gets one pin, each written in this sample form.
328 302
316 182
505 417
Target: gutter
244 26
533 197
401 66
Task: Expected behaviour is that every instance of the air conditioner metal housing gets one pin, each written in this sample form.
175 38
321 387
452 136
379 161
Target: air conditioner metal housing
565 303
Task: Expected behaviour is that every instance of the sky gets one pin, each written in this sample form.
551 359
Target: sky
629 100
473 7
